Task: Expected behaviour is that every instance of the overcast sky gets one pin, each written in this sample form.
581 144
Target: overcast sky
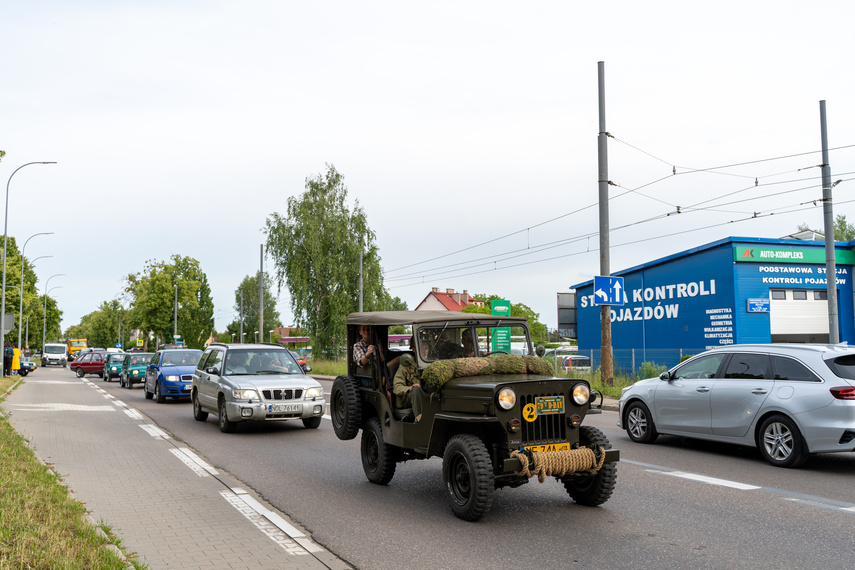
466 130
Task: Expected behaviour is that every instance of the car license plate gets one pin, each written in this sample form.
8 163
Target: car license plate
547 447
545 405
280 408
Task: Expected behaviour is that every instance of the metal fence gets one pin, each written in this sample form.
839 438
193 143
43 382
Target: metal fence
642 363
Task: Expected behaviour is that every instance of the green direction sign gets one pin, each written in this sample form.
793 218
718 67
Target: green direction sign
501 335
790 255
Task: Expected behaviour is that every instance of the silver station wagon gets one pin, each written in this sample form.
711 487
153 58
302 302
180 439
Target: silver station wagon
788 400
254 382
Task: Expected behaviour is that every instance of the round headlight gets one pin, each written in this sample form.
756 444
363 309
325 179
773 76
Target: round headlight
506 398
581 394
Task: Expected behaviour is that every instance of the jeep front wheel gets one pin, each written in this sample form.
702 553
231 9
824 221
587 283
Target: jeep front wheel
592 489
378 457
345 407
467 473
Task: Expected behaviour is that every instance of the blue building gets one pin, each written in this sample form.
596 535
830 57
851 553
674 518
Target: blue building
735 290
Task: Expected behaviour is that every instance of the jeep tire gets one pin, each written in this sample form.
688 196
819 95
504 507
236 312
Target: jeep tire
345 407
378 457
467 473
592 490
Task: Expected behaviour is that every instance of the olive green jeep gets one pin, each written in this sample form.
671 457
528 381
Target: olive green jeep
492 410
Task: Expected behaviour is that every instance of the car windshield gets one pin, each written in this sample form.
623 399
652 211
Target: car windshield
77 343
182 358
138 359
54 349
116 357
261 361
441 343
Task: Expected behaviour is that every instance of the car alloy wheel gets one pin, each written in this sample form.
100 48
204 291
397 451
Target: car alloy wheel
781 442
639 425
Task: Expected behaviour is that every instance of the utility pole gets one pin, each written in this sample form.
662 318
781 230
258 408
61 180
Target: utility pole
261 293
606 360
240 340
175 319
828 224
360 280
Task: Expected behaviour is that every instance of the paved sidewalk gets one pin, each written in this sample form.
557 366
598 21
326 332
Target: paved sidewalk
167 505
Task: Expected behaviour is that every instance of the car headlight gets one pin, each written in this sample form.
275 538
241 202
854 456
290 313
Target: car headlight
317 392
506 398
245 394
581 394
172 378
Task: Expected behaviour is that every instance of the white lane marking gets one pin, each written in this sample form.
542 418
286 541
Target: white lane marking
62 407
264 524
197 469
708 480
198 460
154 431
66 382
135 415
268 514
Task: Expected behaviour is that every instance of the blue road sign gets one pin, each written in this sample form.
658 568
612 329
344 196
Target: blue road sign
608 290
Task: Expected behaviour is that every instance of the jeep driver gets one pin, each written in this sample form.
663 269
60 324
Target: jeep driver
495 418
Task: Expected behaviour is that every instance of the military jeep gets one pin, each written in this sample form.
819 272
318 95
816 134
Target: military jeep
492 410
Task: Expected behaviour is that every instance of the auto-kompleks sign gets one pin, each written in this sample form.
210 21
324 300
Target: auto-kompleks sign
789 255
502 335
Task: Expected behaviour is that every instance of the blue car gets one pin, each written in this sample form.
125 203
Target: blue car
169 374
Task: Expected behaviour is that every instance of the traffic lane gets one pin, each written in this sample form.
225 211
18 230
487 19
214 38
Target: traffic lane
653 517
824 474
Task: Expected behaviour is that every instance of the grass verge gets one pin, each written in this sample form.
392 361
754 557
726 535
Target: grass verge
41 526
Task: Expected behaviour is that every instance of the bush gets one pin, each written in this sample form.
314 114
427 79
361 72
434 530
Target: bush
650 370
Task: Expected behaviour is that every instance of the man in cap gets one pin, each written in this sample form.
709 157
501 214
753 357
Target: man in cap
407 389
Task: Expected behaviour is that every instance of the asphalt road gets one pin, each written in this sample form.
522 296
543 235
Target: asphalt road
678 503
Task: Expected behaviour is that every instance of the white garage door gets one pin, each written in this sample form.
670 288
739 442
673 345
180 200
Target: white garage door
798 315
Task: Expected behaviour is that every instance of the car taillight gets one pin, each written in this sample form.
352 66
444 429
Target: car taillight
843 392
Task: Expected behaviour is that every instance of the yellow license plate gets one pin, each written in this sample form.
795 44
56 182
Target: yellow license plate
545 405
547 447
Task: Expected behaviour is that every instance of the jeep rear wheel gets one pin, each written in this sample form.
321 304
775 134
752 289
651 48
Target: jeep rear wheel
378 457
468 476
345 407
592 490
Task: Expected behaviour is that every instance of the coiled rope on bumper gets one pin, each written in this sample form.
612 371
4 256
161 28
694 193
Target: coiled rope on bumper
559 463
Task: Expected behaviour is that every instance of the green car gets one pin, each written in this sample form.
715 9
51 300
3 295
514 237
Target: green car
133 368
113 366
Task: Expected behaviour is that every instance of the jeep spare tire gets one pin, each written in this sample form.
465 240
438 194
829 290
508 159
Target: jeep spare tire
345 407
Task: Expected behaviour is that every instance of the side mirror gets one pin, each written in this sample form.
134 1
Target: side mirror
212 370
539 350
307 369
665 376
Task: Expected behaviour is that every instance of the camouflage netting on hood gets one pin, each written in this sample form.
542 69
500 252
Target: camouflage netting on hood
439 372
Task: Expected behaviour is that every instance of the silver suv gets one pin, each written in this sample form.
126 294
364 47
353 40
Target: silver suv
788 400
254 382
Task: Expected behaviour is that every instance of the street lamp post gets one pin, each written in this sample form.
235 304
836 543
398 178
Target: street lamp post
44 318
256 336
21 303
271 334
5 237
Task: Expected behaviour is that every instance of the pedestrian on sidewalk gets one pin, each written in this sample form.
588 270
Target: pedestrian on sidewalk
16 359
8 353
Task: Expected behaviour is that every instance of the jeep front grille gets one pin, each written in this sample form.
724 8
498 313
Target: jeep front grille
288 394
547 428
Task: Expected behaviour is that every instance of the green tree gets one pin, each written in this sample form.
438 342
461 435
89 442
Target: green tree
51 319
843 230
537 329
33 303
153 292
248 289
102 326
315 247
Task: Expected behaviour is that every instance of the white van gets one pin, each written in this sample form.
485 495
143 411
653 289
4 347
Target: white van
54 354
